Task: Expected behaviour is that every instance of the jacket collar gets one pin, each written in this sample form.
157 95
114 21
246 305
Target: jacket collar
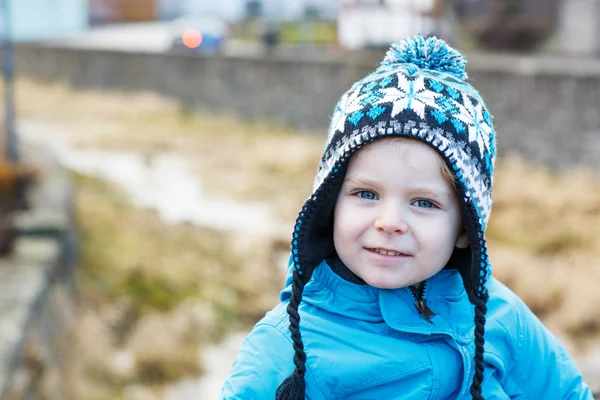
445 295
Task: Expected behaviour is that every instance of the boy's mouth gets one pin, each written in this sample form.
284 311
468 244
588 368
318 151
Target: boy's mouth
387 252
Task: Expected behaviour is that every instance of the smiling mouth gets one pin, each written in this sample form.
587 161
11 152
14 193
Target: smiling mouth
386 252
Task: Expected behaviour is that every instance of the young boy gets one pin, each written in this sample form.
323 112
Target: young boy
390 294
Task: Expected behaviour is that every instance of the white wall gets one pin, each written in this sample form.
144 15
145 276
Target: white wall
370 25
35 20
578 30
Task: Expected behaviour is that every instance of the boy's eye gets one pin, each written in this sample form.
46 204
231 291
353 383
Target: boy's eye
365 194
424 204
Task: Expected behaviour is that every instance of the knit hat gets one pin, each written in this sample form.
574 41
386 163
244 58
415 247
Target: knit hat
419 91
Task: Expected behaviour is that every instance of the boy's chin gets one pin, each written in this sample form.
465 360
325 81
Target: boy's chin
383 283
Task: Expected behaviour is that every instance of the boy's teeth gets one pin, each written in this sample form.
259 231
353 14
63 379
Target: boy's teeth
387 252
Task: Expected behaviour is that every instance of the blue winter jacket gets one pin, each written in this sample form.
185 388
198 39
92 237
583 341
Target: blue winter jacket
367 343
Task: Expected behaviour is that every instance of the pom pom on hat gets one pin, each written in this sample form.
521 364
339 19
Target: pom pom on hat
431 53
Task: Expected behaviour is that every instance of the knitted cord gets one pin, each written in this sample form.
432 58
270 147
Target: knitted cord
480 296
293 387
480 311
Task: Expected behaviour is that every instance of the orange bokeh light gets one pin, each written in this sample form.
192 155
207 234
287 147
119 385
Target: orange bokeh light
192 38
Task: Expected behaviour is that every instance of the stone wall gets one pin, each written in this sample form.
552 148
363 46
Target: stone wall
545 108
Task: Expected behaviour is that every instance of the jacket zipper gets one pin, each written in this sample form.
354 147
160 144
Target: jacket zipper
420 302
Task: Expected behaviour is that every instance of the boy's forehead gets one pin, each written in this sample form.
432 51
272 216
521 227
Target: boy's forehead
390 159
379 159
399 149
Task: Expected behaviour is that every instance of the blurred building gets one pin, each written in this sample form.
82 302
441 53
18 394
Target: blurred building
111 11
569 27
118 11
516 26
377 23
36 20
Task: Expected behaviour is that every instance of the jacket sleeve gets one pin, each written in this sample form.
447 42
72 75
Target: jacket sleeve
544 370
263 362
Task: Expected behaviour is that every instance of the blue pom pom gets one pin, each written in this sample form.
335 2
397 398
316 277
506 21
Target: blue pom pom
431 53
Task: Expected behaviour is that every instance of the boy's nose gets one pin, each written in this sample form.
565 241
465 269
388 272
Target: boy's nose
391 219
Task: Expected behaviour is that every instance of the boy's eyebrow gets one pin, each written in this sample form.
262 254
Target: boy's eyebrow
357 180
439 194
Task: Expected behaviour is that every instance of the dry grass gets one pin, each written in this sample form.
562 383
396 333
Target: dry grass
158 265
258 161
545 244
154 293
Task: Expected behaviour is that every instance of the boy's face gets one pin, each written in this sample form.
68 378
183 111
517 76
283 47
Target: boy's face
397 219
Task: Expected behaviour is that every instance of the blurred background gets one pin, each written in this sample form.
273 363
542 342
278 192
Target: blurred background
156 153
